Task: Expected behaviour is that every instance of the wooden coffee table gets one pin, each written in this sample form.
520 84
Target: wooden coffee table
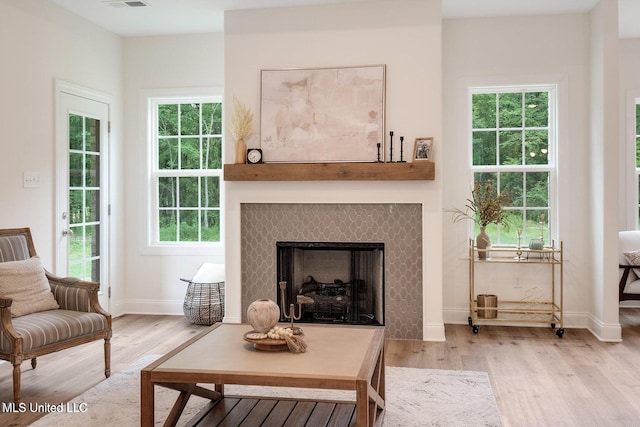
338 357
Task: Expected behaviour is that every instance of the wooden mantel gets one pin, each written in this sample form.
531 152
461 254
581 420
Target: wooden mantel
419 170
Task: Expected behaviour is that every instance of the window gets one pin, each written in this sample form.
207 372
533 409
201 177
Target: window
186 170
637 141
84 216
513 144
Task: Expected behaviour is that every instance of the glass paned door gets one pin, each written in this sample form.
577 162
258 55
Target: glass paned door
82 180
84 197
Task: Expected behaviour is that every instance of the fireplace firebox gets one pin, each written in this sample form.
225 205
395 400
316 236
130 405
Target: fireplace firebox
335 282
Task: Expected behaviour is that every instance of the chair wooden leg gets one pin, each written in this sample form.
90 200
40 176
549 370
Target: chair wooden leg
107 357
34 362
16 382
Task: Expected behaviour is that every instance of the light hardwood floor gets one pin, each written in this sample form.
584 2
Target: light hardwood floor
538 379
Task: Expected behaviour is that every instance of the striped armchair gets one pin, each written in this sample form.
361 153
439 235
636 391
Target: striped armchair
79 320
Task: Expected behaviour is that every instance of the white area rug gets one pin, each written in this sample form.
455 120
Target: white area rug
415 397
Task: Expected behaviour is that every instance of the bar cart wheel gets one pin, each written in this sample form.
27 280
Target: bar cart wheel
475 329
560 332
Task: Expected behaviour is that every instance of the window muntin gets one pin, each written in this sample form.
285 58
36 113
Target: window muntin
512 146
186 170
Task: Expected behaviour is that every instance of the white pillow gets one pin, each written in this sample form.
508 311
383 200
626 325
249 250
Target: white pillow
25 282
633 257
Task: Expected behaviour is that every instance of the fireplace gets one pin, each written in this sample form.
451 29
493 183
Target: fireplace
398 225
334 282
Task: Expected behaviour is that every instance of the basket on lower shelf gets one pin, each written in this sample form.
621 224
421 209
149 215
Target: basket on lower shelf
487 306
204 300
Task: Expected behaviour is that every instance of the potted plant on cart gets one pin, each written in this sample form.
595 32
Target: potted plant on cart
486 206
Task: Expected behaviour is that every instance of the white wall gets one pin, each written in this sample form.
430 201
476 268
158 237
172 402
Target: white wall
39 43
155 63
517 50
604 166
403 34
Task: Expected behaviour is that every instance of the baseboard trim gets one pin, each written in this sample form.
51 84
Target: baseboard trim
605 332
161 307
433 332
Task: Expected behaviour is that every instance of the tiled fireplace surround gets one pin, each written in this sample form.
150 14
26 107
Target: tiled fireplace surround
335 210
398 226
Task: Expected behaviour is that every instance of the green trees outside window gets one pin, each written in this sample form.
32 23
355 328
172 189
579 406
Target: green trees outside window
188 169
84 197
512 147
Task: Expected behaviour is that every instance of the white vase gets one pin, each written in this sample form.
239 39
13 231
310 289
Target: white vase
483 243
263 315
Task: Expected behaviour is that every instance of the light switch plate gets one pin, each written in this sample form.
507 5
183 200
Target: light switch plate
31 180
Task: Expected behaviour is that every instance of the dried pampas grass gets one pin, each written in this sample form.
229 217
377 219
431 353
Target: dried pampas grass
241 121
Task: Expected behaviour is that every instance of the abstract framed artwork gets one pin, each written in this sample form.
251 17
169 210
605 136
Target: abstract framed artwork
322 114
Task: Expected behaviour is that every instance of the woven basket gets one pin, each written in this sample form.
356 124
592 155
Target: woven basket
204 303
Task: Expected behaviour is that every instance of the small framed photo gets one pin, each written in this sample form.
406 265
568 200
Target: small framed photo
422 150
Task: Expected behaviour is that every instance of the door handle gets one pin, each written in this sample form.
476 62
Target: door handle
67 232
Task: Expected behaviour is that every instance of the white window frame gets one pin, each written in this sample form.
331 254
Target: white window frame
517 85
636 181
149 101
629 201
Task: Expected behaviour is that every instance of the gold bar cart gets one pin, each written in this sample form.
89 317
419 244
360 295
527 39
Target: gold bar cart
548 311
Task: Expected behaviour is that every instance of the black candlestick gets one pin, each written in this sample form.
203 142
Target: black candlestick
378 144
401 145
391 147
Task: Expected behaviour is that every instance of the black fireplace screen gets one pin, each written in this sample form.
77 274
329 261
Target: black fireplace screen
336 282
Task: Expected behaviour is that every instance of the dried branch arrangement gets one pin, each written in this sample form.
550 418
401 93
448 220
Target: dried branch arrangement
484 206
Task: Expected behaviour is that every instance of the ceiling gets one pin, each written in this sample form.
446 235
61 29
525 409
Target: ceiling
201 16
